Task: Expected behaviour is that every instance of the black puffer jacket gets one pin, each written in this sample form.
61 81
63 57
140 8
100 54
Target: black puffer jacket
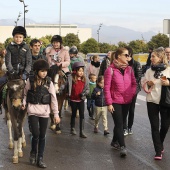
137 72
99 99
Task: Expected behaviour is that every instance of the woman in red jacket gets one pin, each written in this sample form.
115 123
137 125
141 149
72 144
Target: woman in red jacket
119 88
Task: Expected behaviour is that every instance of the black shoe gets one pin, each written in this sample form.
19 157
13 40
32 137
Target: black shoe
73 131
115 145
106 132
40 163
32 158
82 135
123 152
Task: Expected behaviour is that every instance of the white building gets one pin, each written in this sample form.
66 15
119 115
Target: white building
40 30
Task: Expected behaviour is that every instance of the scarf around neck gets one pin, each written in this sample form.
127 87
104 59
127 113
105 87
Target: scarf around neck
158 69
96 64
119 65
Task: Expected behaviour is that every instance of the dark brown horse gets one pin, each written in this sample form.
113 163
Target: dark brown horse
15 115
59 79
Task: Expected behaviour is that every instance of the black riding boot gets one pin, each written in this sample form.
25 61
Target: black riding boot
41 146
73 131
34 144
82 135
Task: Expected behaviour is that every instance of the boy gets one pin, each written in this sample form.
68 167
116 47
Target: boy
18 56
90 101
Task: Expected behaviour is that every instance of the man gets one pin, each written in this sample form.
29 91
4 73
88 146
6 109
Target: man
167 51
35 46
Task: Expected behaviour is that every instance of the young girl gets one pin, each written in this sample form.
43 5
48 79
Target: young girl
78 89
101 108
40 96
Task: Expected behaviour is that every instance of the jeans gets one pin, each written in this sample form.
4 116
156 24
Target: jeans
90 107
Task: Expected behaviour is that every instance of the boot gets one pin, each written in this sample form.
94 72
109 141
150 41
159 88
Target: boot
73 131
32 158
40 163
82 135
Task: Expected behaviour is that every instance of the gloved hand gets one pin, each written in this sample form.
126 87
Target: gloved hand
83 96
24 76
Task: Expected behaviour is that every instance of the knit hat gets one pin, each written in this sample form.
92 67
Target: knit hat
19 30
40 64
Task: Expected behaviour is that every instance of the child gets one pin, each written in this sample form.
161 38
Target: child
40 96
78 89
90 101
101 108
18 56
57 54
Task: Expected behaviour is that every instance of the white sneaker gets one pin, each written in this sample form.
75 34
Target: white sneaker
125 132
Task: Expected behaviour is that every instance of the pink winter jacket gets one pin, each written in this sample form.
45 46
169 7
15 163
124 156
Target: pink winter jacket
119 88
63 54
42 110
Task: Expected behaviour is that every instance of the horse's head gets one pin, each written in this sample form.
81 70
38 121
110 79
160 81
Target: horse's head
16 92
58 77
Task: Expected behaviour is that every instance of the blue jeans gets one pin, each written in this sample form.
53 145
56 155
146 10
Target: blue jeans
90 107
3 79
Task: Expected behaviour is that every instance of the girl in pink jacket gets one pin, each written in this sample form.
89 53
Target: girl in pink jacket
57 54
119 89
39 94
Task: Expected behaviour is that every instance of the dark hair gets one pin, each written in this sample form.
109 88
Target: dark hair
119 51
100 78
34 41
130 51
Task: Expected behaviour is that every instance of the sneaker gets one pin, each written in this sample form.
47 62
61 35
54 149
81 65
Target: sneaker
95 130
123 152
130 132
125 132
106 132
115 145
158 157
73 131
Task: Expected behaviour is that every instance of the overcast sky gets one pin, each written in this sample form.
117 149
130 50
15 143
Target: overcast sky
139 15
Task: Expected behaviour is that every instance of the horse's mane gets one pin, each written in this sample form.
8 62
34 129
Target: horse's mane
53 71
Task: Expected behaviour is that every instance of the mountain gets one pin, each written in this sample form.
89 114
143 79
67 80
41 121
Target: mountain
108 34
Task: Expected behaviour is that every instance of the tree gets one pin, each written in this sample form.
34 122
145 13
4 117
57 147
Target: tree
7 41
28 39
71 40
45 41
159 40
104 47
48 37
2 46
138 46
122 44
90 46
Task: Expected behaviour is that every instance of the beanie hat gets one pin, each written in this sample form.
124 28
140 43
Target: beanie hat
40 64
19 30
57 38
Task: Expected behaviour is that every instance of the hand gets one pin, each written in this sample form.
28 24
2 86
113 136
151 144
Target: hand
98 93
165 82
23 107
110 108
150 83
57 120
24 76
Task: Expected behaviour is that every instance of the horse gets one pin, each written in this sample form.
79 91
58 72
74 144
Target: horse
15 115
59 80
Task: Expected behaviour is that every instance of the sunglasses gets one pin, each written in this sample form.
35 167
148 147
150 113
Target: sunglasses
126 55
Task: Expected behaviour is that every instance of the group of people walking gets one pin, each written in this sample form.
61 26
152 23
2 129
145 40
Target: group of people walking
112 85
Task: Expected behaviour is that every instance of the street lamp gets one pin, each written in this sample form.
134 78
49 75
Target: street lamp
25 11
99 30
60 19
19 15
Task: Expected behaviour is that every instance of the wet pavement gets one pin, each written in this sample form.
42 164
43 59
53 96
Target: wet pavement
67 152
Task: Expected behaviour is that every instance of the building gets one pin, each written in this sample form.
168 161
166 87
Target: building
40 30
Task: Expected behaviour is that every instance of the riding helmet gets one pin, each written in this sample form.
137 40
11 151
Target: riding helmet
73 50
41 64
77 65
57 38
19 30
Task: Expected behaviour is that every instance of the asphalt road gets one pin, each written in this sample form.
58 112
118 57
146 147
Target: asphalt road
67 152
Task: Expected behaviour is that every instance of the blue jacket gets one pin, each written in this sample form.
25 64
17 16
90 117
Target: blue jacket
99 99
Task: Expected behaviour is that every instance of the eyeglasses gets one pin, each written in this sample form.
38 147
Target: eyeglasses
126 55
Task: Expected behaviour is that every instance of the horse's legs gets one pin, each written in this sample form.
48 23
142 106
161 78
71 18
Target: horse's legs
15 157
23 138
20 152
65 104
9 124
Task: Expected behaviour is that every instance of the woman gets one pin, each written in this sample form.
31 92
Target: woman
119 88
152 84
